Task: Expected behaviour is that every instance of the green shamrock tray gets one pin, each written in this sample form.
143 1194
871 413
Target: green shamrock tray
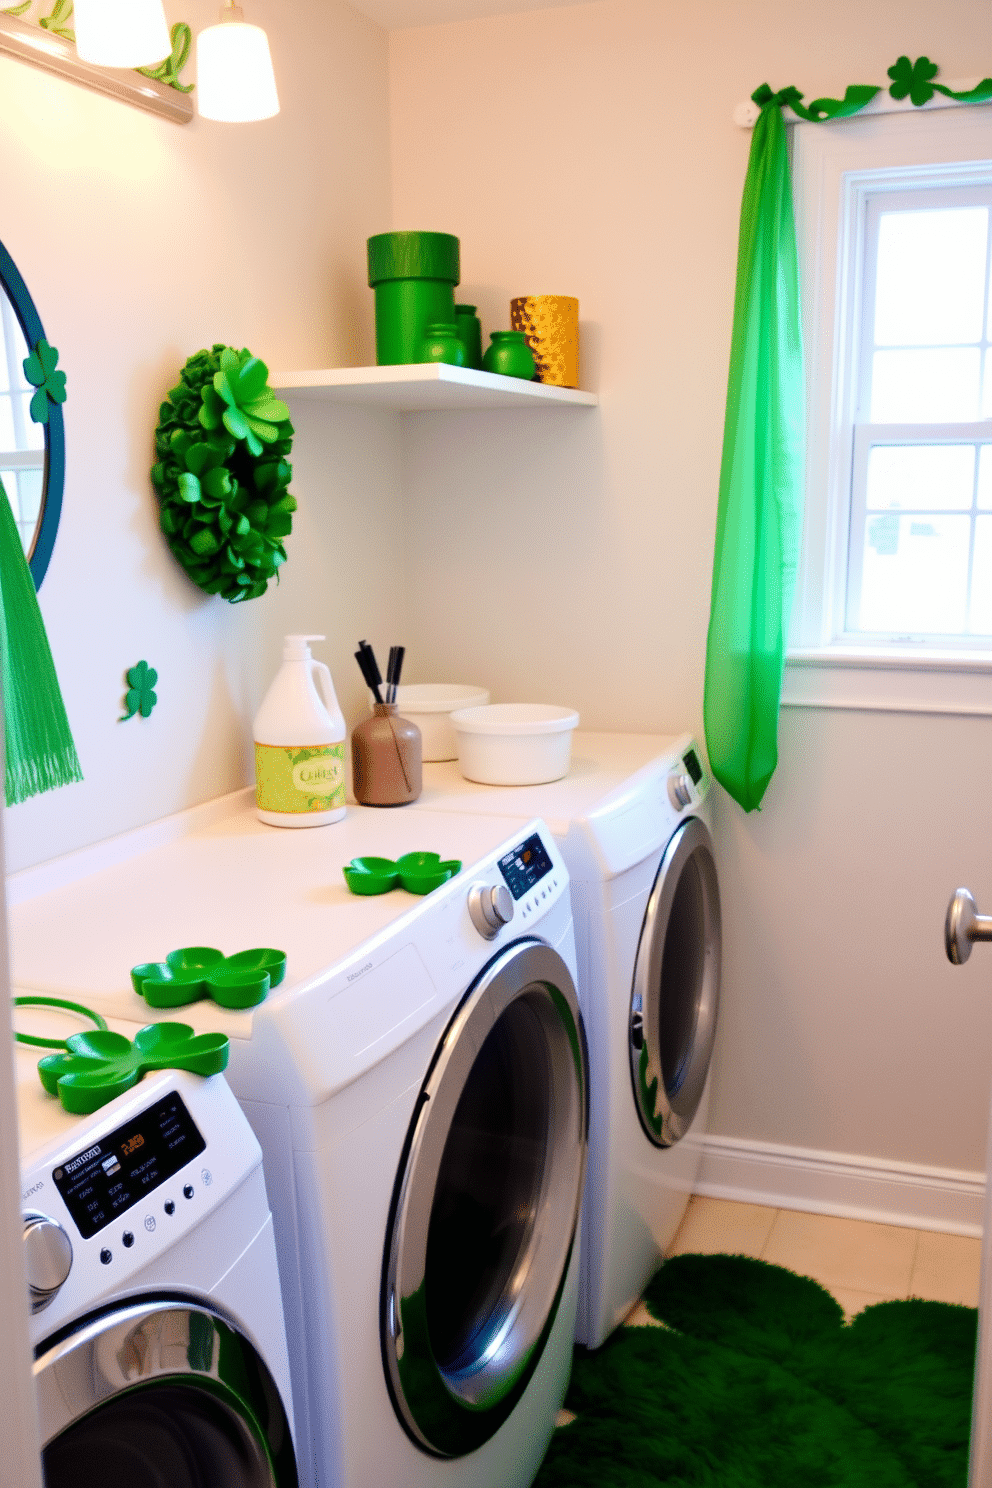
99 1065
194 972
417 872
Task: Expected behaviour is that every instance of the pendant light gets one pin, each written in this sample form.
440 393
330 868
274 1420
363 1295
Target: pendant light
234 78
121 33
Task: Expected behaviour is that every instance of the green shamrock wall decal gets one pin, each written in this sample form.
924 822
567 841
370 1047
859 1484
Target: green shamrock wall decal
99 1065
913 80
39 369
140 697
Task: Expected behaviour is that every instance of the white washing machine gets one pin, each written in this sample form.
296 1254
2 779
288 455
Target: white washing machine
156 1315
631 821
418 1084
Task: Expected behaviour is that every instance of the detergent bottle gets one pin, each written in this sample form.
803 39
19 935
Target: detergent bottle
299 743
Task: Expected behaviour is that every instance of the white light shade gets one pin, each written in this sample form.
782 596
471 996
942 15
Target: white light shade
121 33
234 78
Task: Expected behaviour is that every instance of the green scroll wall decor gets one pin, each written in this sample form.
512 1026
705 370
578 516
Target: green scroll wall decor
222 473
759 513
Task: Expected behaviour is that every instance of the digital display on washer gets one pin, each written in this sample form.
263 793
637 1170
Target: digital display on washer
111 1176
525 866
691 762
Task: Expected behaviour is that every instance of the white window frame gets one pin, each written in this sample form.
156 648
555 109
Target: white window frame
831 163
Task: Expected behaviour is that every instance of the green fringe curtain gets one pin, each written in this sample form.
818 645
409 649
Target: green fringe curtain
39 751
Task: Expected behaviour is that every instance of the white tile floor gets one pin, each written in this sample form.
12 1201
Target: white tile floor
858 1261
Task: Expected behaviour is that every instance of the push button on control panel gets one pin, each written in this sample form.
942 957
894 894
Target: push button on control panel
188 1191
127 1239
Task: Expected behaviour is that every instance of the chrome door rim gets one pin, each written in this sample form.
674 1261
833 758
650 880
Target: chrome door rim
451 1411
667 1115
157 1341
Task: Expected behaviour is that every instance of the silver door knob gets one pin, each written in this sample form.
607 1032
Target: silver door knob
47 1258
963 926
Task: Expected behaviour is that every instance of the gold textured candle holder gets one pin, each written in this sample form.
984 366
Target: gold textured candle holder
551 326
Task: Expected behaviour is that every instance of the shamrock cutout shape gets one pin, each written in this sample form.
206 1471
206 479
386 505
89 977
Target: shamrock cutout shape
913 79
39 369
240 400
140 698
755 1380
194 972
99 1065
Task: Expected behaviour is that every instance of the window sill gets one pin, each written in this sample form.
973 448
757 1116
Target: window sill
881 681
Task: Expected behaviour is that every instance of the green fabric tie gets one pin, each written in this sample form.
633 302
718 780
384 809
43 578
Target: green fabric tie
40 753
759 516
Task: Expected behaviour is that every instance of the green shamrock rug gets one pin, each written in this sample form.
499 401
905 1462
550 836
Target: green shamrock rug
756 1381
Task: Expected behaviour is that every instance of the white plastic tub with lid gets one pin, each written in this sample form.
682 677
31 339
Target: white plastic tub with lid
514 743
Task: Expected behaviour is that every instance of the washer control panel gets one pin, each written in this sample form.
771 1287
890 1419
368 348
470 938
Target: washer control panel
121 1169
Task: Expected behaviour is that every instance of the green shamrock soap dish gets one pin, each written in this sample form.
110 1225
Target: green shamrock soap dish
100 1065
193 972
417 872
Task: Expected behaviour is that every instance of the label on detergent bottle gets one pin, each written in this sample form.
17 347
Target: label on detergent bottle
299 778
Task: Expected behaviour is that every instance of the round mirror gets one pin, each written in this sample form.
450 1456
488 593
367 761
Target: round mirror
32 455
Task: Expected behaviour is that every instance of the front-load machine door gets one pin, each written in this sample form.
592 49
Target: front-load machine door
676 986
161 1393
486 1203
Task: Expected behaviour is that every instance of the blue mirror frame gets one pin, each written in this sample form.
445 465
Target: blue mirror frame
51 500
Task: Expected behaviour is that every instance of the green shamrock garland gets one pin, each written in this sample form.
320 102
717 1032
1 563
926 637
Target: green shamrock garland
222 473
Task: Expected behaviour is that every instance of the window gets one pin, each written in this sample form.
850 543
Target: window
894 228
22 441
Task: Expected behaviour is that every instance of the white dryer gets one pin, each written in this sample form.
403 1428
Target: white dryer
630 819
419 1087
156 1316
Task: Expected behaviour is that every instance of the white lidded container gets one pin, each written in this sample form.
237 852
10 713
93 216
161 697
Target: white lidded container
299 743
430 705
514 743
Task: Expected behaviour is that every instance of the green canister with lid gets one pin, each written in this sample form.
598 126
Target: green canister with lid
414 275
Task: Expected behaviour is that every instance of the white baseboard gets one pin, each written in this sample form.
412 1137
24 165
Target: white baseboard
897 1193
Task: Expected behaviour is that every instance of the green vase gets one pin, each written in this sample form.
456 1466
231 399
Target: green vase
470 332
441 343
413 275
509 354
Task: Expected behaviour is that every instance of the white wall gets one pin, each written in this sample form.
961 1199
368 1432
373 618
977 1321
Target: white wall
141 241
570 559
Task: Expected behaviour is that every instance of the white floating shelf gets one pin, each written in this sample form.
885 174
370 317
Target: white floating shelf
425 386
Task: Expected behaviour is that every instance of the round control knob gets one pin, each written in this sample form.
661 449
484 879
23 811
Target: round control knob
679 790
47 1258
490 907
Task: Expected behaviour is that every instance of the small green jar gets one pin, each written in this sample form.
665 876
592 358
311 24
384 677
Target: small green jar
509 354
413 275
470 331
442 343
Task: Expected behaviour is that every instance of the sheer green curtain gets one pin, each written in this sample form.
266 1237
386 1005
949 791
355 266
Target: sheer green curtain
759 517
39 750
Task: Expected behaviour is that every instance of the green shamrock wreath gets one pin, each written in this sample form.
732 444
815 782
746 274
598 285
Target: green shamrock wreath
222 473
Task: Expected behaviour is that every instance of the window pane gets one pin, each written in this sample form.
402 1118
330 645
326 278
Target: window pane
913 477
980 620
931 276
915 574
8 439
985 477
939 386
